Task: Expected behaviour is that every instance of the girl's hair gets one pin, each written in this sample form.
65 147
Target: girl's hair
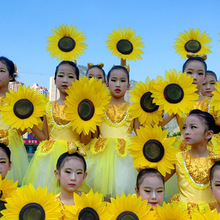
10 66
71 64
99 67
208 120
196 58
118 68
6 150
211 73
147 172
65 156
213 168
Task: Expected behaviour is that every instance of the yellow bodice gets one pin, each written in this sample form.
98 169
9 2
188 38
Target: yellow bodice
59 128
193 177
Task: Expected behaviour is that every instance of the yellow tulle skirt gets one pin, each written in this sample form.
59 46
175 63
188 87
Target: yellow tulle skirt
110 169
43 164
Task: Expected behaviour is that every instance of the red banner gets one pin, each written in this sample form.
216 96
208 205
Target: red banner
31 141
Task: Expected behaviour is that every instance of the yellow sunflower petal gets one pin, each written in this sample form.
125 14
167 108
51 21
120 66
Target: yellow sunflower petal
24 117
197 40
125 44
159 153
66 43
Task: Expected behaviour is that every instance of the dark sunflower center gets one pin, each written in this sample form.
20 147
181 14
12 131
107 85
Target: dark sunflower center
147 103
173 93
127 216
32 211
23 108
1 193
2 207
153 150
88 214
66 44
86 109
124 46
193 46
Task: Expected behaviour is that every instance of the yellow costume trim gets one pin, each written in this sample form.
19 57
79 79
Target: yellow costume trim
99 145
49 109
180 157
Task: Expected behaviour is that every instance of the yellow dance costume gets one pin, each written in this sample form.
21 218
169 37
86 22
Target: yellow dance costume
61 138
193 179
110 168
15 142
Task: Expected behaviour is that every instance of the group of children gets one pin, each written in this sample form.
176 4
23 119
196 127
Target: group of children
110 168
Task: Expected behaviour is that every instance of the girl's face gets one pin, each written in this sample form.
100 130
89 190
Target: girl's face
208 85
195 131
71 174
118 83
96 73
151 189
5 164
4 75
196 70
65 76
215 185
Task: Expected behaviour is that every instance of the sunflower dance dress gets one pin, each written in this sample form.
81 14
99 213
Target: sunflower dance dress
19 157
193 180
61 139
110 168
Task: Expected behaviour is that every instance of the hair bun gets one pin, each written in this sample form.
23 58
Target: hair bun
190 54
203 56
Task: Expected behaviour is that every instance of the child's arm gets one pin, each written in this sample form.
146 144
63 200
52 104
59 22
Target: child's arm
169 175
41 134
85 139
136 124
166 119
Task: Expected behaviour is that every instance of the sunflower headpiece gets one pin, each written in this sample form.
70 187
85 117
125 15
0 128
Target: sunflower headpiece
89 65
192 41
151 148
85 104
125 44
28 203
24 108
215 101
66 43
75 149
142 106
176 94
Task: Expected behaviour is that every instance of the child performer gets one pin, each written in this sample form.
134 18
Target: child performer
150 186
209 84
192 168
57 136
110 165
11 137
70 172
96 71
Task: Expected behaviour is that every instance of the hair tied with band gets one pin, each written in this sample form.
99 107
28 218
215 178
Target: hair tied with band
202 55
75 149
16 69
98 64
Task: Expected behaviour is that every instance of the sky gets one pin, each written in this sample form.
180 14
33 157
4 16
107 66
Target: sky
25 26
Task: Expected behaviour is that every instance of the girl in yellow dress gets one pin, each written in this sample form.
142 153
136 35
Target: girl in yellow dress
150 186
193 166
110 167
56 135
11 137
70 172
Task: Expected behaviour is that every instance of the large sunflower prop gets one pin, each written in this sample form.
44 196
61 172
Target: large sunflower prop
151 148
143 107
66 43
129 207
192 41
86 103
176 94
24 108
125 44
215 101
207 215
171 211
28 203
87 206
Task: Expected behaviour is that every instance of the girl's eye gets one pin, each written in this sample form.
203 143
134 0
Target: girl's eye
90 77
2 161
189 72
113 80
218 185
184 127
123 80
67 171
99 77
79 172
71 76
2 71
193 126
160 191
201 73
147 190
60 75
